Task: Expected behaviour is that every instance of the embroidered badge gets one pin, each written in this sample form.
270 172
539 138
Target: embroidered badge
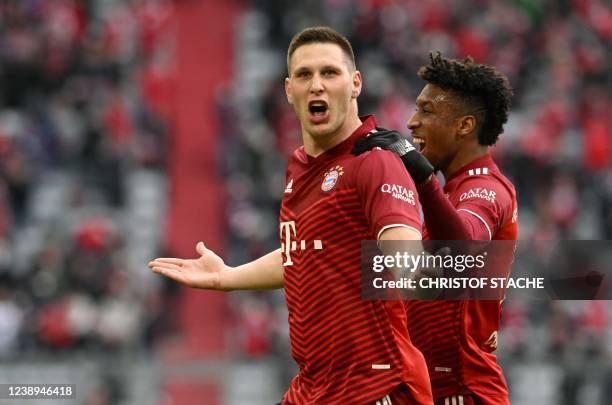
331 178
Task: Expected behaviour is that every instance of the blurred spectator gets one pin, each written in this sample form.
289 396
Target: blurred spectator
84 102
11 317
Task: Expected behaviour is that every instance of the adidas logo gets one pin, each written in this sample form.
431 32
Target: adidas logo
409 147
289 187
478 171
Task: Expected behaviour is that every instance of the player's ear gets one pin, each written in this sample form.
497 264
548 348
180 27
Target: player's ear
288 90
466 125
357 83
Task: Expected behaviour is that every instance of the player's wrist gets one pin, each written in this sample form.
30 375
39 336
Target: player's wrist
427 180
223 279
418 166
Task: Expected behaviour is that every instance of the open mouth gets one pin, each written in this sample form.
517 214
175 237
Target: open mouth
420 142
317 108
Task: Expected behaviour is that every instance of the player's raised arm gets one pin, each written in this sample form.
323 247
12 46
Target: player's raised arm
444 221
209 272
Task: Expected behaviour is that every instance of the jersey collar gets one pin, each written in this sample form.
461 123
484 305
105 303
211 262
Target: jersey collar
368 124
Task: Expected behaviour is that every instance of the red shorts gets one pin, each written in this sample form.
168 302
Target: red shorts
399 396
459 400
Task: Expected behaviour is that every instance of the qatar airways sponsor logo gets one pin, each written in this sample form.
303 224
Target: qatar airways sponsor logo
482 193
399 192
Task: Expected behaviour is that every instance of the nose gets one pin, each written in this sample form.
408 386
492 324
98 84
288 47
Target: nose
413 122
316 84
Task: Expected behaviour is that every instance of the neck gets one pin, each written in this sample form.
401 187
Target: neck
462 158
315 146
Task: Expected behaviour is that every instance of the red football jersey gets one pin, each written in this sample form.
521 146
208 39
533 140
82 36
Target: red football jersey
457 338
349 350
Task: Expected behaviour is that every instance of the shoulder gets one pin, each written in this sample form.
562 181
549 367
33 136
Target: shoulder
486 185
378 158
380 166
298 156
298 162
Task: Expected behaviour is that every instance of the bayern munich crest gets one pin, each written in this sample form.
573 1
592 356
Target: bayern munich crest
331 178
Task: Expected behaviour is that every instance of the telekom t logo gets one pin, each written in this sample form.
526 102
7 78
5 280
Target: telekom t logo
288 244
286 229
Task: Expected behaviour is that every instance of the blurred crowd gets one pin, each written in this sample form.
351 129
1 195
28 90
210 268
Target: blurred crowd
557 145
83 108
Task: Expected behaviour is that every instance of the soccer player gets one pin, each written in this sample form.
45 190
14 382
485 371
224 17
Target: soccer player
349 350
459 114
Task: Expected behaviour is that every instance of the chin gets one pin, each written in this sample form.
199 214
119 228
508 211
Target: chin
321 131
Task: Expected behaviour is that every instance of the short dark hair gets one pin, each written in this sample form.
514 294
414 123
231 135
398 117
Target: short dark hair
320 35
482 88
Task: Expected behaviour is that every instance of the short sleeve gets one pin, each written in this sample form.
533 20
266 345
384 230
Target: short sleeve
387 192
486 199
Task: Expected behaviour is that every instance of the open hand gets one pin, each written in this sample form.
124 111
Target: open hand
203 272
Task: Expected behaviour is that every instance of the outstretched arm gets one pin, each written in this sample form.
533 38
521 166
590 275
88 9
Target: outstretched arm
211 273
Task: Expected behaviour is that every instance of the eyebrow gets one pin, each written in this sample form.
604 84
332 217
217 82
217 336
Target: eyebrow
330 67
301 69
324 67
421 102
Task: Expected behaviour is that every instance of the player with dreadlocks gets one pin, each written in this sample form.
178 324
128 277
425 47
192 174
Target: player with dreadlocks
459 115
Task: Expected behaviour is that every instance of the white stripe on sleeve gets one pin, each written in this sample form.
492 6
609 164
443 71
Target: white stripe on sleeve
479 217
384 228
